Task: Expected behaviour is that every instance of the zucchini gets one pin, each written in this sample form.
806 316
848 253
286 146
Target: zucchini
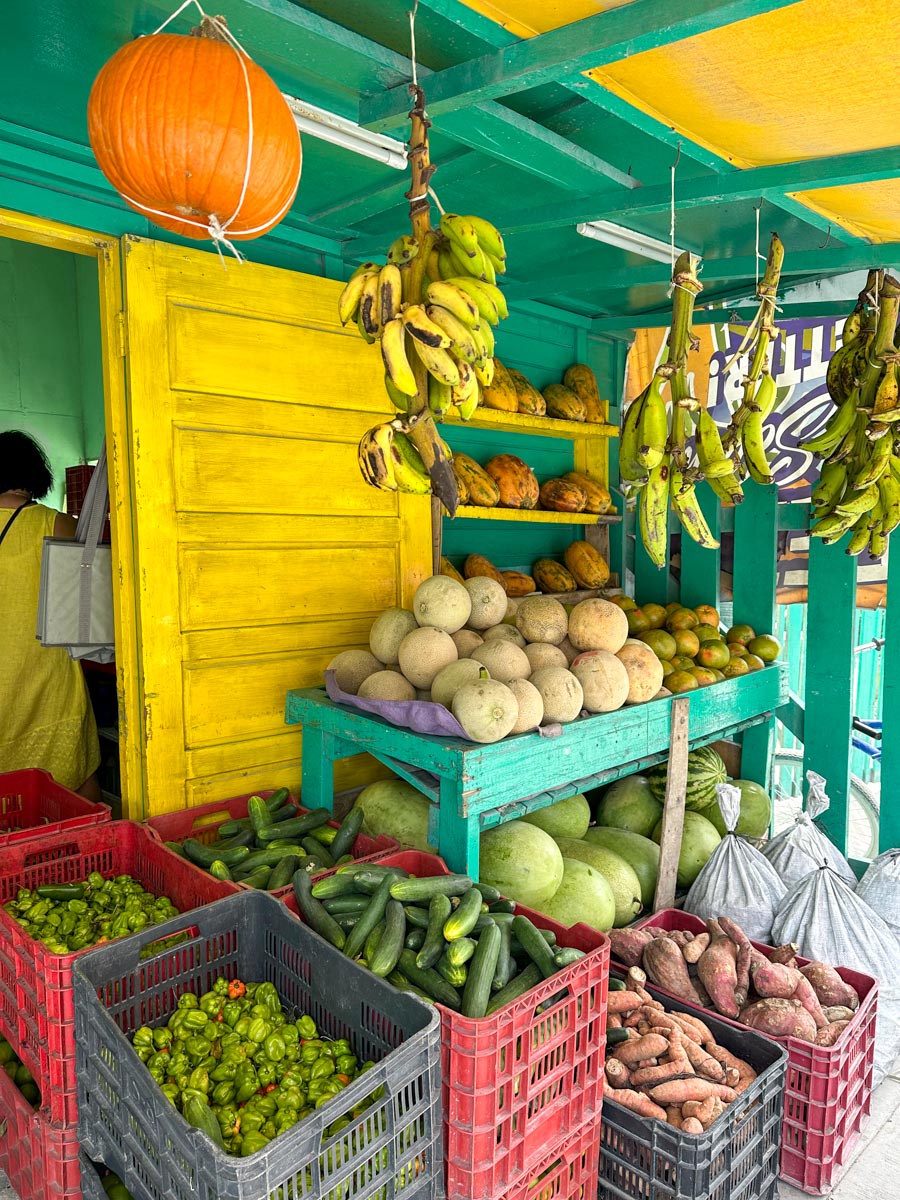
489 894
481 973
390 945
283 872
219 870
463 921
372 942
417 917
296 828
460 951
455 975
351 903
433 984
258 878
369 919
414 939
517 986
614 1037
503 971
258 813
438 912
313 913
534 945
317 850
347 832
279 796
432 885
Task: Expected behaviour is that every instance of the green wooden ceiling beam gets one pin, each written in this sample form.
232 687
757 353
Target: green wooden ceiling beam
564 52
363 205
299 42
660 319
770 182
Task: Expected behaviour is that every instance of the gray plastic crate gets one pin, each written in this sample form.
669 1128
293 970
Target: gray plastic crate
91 1186
391 1149
735 1159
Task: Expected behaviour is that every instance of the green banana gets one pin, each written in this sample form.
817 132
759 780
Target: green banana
858 503
836 428
874 465
861 533
455 300
478 293
754 449
399 399
409 470
489 237
714 462
831 485
653 427
687 509
653 508
629 467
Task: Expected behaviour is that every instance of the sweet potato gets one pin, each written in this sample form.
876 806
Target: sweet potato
617 1074
774 980
703 1062
744 958
829 1034
628 945
680 937
666 1022
691 1125
786 954
703 1030
806 995
646 1077
613 1021
738 1073
623 1002
651 1046
838 1012
780 1018
639 1103
829 987
691 1089
717 969
673 1115
704 1111
694 949
665 965
701 992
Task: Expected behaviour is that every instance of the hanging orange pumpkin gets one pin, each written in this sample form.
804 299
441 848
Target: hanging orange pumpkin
194 135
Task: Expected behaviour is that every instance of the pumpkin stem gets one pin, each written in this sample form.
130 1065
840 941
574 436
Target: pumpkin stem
211 27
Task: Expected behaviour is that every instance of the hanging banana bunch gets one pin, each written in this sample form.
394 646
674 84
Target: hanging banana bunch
432 307
859 479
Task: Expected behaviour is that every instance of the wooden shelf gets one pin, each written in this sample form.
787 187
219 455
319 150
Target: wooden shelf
532 515
509 422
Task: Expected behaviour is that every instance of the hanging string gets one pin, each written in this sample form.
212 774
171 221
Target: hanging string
757 256
433 194
412 42
672 209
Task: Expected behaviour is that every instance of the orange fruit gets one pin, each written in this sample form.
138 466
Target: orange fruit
687 642
718 674
682 618
681 681
713 654
707 633
740 633
737 648
661 643
637 622
765 647
707 615
672 605
655 614
735 666
703 676
754 662
667 667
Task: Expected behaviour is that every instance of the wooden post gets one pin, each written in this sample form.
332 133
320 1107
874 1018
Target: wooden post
673 809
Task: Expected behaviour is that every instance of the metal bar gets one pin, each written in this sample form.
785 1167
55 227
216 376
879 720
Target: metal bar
831 612
889 819
565 52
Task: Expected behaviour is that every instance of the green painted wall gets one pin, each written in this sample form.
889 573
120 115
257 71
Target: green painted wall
51 382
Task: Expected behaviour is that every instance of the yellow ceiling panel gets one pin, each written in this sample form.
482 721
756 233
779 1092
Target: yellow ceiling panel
525 18
802 82
870 210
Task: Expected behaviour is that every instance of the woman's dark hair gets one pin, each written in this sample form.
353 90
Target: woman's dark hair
23 464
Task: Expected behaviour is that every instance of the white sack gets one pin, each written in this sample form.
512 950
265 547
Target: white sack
802 847
880 887
737 882
831 924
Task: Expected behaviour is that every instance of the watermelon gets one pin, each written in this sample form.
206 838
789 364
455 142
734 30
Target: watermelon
566 818
698 841
629 803
522 861
583 895
641 854
705 770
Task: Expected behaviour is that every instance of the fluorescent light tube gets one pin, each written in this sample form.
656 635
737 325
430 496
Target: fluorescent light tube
319 123
627 239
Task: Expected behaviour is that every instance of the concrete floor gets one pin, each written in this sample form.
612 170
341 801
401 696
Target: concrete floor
875 1160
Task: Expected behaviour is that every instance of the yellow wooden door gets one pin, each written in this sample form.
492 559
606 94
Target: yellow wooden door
259 552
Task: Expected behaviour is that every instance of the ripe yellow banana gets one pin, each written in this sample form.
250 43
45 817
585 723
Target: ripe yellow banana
499 264
460 232
390 291
396 360
687 509
409 470
376 458
438 362
653 508
348 301
399 399
887 395
478 293
420 326
363 332
466 393
403 250
754 449
370 305
484 371
489 237
440 397
455 300
461 339
653 427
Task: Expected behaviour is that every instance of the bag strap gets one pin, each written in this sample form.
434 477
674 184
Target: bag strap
11 521
90 527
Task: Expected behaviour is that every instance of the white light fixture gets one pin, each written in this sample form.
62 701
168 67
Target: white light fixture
627 239
319 123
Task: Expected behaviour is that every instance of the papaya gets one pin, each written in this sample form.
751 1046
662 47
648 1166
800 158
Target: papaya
483 492
598 497
501 393
563 404
477 565
552 577
580 379
462 486
587 565
562 495
529 399
516 482
517 583
448 569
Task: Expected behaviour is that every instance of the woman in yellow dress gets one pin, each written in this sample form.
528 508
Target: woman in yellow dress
46 719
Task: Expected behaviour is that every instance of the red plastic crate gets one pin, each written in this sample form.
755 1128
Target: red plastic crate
517 1083
828 1089
204 821
36 1008
33 804
40 1159
569 1172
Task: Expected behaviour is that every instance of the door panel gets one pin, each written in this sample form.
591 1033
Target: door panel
260 551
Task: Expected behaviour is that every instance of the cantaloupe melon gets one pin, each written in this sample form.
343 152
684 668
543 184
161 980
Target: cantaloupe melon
386 685
424 651
541 619
388 631
512 607
531 706
561 693
645 671
503 659
570 652
597 624
603 679
543 654
352 667
451 678
488 602
465 641
505 633
487 710
442 603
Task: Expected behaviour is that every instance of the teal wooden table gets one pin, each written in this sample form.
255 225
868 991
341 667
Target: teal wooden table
475 787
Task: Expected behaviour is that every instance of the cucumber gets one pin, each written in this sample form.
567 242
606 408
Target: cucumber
566 955
481 973
372 942
243 837
414 939
236 825
432 885
324 834
268 857
351 903
460 951
489 894
357 868
433 984
390 946
335 885
438 912
198 853
257 879
369 881
297 828
176 848
313 913
534 945
317 850
219 870
455 975
517 986
503 971
463 921
503 906
258 813
614 1037
347 833
369 919
287 812
279 796
283 872
402 984
417 917
617 985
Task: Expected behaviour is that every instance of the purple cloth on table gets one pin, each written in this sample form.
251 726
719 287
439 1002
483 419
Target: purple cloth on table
421 716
